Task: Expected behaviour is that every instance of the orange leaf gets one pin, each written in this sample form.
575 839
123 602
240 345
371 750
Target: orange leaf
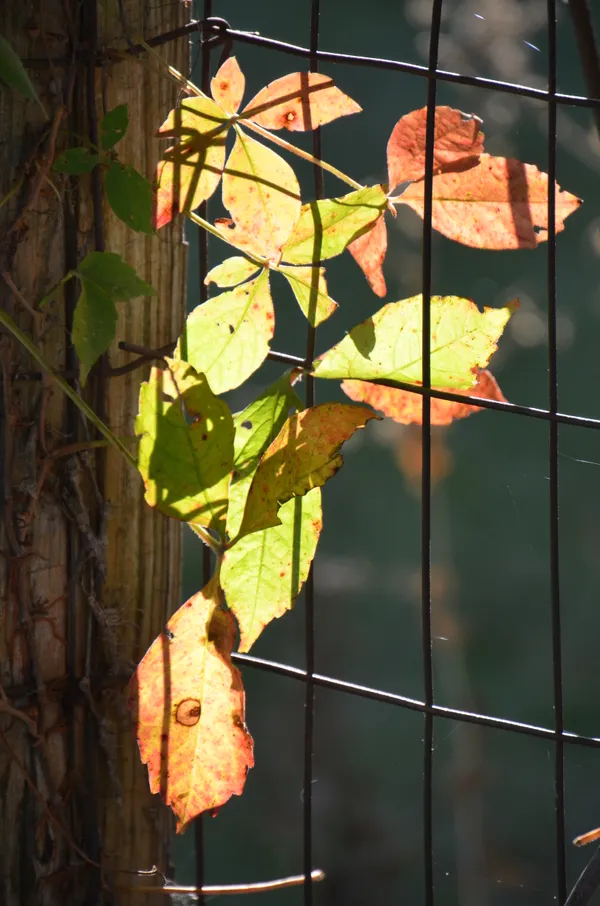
457 143
369 251
299 102
228 85
499 204
188 704
407 408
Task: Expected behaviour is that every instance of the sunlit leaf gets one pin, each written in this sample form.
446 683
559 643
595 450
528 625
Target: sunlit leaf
192 168
188 705
407 408
255 427
310 289
326 227
369 253
14 74
228 337
261 192
185 452
76 161
113 126
299 102
263 573
231 271
498 204
228 85
303 456
388 345
129 195
457 143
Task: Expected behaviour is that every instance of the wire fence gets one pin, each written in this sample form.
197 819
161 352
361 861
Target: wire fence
217 34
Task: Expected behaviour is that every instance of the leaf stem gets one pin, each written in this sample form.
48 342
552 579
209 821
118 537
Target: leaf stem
83 407
305 155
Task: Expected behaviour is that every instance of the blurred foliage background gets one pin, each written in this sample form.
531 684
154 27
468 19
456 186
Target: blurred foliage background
494 840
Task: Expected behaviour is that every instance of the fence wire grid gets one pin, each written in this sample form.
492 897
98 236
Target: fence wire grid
218 36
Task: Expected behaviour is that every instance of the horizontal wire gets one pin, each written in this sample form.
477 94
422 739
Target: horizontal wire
413 704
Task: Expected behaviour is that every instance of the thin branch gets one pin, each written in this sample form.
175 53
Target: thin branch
221 890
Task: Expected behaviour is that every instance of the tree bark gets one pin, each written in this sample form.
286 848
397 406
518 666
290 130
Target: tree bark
88 572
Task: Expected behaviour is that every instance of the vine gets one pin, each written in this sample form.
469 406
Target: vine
249 484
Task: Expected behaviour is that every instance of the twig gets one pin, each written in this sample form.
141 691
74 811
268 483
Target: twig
222 890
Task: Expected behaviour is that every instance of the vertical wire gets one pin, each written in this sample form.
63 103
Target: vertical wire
203 265
436 17
309 595
559 787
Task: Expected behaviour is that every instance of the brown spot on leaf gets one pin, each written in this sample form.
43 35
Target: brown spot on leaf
188 712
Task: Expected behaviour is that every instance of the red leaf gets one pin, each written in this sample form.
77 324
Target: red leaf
499 204
299 102
458 143
369 251
228 86
407 408
194 740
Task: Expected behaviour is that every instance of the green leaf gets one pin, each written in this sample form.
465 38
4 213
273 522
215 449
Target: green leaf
326 227
255 427
130 196
227 338
263 573
94 325
76 161
185 453
114 126
302 457
13 73
261 192
108 270
388 344
231 271
310 289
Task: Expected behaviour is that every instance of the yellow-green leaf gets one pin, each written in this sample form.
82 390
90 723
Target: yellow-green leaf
325 228
186 445
192 168
231 271
255 427
227 338
310 289
388 344
302 457
262 573
227 86
261 192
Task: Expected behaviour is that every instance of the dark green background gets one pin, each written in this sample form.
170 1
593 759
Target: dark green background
494 840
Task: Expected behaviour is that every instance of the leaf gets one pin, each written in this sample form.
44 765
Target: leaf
262 573
76 161
228 337
105 279
14 74
261 192
112 273
228 86
185 452
302 457
299 102
310 289
325 228
188 705
113 126
457 143
369 253
255 427
499 204
407 408
231 271
387 346
192 168
130 196
94 325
